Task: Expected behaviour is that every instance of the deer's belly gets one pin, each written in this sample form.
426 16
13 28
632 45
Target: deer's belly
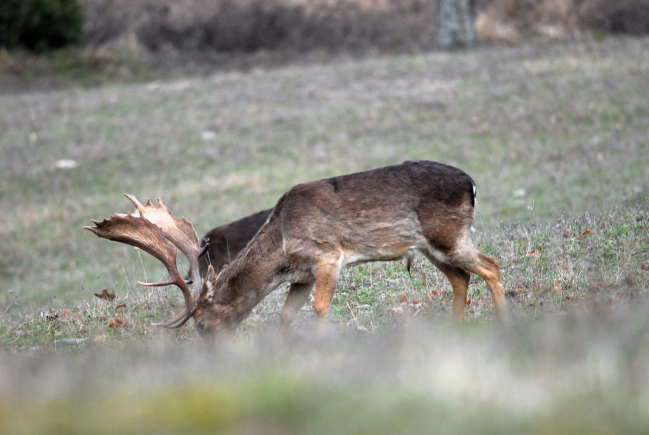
351 258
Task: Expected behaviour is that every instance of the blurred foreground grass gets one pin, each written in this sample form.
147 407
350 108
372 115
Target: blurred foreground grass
576 373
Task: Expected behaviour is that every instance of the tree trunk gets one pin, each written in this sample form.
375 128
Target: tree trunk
455 27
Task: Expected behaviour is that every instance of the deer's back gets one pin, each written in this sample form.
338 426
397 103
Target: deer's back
383 211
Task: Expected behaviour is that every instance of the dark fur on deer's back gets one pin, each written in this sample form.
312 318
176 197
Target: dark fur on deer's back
228 240
370 203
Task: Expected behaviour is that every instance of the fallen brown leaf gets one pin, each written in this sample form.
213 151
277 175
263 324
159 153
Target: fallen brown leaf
117 323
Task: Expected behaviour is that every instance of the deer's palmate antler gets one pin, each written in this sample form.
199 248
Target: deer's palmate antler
153 229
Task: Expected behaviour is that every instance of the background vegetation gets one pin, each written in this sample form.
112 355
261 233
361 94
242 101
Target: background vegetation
556 136
39 25
340 25
125 40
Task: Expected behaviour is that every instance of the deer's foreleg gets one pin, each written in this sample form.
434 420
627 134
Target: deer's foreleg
297 296
326 278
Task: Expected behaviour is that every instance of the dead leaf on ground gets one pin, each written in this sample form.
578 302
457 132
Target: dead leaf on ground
100 338
105 295
117 323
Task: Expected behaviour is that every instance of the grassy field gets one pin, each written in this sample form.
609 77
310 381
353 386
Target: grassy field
557 139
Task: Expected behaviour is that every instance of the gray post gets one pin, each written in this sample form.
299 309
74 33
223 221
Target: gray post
455 27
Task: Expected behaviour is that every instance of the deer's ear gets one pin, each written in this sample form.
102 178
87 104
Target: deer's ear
209 285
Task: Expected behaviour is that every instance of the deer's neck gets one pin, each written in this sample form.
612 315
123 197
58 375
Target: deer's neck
258 270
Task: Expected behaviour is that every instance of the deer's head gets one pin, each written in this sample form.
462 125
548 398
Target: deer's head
154 230
210 317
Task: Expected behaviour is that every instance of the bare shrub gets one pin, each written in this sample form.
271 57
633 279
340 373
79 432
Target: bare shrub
39 25
106 21
621 16
246 26
514 20
252 25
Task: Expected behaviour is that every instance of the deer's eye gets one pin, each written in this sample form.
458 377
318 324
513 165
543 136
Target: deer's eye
200 324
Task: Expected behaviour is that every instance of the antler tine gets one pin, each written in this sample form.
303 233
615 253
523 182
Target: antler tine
179 231
138 231
179 320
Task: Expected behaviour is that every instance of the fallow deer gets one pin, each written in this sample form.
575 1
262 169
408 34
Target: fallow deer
316 230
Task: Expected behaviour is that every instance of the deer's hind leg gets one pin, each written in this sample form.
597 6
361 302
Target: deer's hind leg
459 263
487 268
459 279
298 293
